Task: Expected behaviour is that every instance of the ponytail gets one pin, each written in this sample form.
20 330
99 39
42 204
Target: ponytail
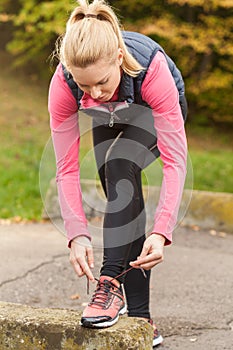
92 33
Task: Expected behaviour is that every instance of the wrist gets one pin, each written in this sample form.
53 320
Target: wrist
159 236
82 239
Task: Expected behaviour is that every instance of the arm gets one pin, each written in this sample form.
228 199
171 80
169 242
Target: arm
160 92
66 141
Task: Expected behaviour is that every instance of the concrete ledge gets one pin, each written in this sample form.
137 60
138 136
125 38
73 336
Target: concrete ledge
26 328
209 210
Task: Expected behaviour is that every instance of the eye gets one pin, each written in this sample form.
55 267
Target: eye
83 86
103 82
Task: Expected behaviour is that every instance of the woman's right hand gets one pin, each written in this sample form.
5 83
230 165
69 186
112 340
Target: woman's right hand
82 257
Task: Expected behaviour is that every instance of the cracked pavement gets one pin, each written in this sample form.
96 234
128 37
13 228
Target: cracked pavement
191 291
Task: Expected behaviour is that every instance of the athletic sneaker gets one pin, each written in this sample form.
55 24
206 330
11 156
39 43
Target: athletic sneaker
106 305
158 339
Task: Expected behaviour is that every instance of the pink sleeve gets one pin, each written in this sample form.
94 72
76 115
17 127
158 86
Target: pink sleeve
66 139
160 92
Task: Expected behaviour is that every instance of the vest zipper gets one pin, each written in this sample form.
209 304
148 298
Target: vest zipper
109 108
111 120
112 110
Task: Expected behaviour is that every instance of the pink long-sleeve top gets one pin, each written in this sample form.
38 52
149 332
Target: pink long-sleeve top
160 92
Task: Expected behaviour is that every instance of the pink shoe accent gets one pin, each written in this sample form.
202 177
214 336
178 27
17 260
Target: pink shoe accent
106 305
157 339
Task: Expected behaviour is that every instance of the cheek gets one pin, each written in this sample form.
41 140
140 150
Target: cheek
115 81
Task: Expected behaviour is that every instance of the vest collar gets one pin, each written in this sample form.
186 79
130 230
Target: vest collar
126 90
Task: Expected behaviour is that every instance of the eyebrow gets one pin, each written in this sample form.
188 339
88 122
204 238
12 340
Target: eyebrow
99 82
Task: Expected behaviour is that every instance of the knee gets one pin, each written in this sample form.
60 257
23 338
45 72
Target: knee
118 168
120 162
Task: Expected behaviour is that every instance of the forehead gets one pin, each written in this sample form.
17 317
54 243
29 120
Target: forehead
92 74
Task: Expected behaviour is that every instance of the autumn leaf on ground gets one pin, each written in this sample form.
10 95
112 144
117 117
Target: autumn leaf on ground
75 296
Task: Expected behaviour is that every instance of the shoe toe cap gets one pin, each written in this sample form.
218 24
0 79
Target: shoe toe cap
89 321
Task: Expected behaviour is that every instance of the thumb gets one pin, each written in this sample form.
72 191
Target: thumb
144 252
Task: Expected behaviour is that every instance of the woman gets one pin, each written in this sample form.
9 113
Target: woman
135 95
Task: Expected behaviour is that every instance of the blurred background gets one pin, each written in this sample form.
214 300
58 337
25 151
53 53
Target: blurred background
196 34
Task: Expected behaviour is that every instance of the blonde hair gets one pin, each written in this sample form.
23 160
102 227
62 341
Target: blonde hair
88 39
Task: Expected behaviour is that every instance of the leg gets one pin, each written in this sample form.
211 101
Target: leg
103 138
117 243
125 215
124 220
124 223
137 287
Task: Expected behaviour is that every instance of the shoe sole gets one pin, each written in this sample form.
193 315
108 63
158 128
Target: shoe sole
157 341
104 324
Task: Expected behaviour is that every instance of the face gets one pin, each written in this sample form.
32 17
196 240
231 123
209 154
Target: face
99 80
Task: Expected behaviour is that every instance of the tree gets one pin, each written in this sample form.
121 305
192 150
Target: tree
37 26
197 34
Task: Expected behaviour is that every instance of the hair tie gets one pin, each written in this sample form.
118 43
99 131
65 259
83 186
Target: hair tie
90 15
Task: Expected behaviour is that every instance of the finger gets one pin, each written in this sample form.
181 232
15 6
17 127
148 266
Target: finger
141 261
78 269
148 259
147 266
150 265
141 258
87 271
80 265
90 257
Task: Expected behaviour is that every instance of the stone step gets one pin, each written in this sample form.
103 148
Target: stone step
26 328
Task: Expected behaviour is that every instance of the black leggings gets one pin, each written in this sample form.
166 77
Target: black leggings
121 152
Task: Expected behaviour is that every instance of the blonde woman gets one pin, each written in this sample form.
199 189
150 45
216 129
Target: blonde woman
135 95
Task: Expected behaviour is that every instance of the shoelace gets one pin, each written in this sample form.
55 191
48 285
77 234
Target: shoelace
121 274
103 293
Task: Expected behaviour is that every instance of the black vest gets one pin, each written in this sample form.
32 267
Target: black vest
143 49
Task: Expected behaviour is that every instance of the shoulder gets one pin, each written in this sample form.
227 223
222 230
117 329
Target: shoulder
159 89
158 68
141 47
61 102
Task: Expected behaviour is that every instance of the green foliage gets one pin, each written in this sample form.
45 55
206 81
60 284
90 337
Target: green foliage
197 34
4 5
38 24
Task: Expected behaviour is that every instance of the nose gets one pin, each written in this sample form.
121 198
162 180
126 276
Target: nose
95 92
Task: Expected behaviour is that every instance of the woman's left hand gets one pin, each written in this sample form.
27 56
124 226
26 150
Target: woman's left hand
152 252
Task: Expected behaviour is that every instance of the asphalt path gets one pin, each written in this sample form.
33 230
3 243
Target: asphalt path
191 291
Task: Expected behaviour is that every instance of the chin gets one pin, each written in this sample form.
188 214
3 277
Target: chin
103 99
106 98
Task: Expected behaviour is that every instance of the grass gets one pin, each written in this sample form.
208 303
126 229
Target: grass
213 170
209 170
24 124
24 132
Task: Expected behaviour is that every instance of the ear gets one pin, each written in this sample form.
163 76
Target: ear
120 56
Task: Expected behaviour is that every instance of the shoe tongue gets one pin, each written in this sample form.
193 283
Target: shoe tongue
108 279
102 292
